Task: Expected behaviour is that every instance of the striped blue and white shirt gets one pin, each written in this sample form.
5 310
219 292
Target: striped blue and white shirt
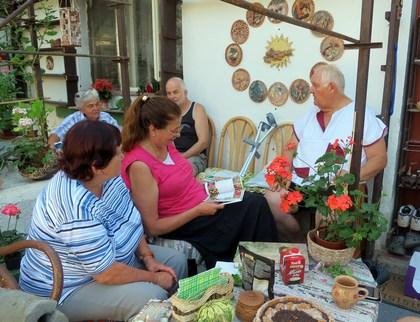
76 117
88 233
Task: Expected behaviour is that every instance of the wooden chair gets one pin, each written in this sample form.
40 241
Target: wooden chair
212 136
232 149
8 281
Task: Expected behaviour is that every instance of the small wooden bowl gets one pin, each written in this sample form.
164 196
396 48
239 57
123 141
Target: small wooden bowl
248 304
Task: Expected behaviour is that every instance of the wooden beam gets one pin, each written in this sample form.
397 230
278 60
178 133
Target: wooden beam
363 45
15 13
361 89
271 14
50 53
122 51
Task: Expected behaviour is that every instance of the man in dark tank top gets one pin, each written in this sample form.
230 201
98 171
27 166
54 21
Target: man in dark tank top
194 139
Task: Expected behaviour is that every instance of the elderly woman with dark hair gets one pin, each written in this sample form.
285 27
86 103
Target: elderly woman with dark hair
172 202
86 214
89 109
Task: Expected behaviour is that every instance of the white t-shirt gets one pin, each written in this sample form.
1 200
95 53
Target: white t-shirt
314 140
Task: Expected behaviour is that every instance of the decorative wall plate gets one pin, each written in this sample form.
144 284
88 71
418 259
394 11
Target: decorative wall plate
322 19
240 79
233 54
278 6
279 51
239 31
332 48
257 91
255 19
299 91
278 94
49 62
303 9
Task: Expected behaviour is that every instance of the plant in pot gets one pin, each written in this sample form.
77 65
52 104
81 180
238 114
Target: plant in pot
33 157
346 217
10 236
7 94
104 89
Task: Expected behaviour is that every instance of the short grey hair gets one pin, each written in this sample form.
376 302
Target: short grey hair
82 97
178 79
331 74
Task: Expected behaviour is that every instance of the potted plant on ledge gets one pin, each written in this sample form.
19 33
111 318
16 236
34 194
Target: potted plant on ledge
33 157
345 215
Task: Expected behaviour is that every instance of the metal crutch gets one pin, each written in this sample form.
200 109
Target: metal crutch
264 129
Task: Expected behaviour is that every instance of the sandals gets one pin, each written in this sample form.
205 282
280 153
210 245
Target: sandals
405 215
412 239
396 246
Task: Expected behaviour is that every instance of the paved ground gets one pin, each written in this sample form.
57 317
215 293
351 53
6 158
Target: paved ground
23 192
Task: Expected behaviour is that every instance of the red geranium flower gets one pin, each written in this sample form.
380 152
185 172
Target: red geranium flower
10 210
341 203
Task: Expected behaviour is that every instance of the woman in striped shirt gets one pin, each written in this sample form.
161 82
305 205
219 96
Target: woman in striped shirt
86 214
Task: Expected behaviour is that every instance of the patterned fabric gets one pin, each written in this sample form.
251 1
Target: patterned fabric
76 117
88 233
179 191
314 140
180 245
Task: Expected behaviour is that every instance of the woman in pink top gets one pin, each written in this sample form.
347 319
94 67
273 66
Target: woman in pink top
170 199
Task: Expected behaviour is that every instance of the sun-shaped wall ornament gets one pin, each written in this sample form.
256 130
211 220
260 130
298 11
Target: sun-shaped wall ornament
279 51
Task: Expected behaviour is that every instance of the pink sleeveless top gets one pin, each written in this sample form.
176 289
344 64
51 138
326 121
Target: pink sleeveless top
179 191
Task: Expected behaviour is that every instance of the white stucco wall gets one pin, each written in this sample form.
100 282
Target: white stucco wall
206 34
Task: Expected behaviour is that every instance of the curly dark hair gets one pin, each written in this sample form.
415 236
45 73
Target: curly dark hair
87 144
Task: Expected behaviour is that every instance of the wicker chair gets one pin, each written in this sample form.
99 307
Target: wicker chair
8 281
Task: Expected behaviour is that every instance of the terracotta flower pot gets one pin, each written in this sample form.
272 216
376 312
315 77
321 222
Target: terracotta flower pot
327 243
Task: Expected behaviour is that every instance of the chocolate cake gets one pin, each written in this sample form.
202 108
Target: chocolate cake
291 309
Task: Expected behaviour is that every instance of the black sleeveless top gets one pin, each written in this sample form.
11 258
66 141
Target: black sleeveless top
188 135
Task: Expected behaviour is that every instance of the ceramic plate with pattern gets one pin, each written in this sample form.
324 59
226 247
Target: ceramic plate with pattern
332 48
322 19
299 91
233 54
239 31
278 94
257 91
255 19
278 6
240 79
303 9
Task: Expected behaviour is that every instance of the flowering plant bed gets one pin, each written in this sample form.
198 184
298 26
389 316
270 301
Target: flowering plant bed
345 214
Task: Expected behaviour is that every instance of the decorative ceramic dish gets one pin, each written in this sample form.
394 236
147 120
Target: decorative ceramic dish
233 54
332 48
253 18
299 91
278 6
257 91
239 31
288 308
322 19
303 9
278 94
240 79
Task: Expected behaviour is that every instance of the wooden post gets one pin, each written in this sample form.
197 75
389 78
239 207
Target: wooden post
35 66
123 53
361 88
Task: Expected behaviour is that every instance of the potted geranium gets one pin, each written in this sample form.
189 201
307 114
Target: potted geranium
345 214
33 157
9 236
104 89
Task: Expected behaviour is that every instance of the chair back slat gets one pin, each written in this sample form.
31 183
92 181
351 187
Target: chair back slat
232 151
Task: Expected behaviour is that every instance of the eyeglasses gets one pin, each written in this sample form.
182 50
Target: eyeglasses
175 131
